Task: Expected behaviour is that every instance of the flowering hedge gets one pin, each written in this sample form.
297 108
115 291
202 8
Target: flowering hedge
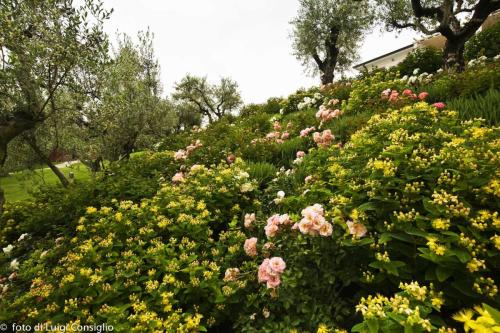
141 267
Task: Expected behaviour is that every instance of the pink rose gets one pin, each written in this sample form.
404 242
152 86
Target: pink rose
250 246
249 220
277 265
407 92
178 177
180 155
271 230
325 229
356 229
273 281
439 105
423 95
333 102
262 274
285 135
300 154
277 126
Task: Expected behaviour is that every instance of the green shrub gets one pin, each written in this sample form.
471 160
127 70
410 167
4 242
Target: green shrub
157 265
413 197
262 172
427 59
473 81
479 106
484 43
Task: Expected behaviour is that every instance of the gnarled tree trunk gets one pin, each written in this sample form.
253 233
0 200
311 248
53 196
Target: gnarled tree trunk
32 143
453 54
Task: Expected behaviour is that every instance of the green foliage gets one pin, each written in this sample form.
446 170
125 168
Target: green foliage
484 43
139 267
473 81
54 209
427 59
262 172
479 106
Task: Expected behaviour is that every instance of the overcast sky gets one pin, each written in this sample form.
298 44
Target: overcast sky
246 40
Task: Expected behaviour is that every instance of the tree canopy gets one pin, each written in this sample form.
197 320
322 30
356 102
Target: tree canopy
457 21
326 34
210 100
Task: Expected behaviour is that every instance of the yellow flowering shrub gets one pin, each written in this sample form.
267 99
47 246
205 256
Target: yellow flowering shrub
155 265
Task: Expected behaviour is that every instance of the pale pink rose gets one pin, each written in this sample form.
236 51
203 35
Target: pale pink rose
249 220
305 226
317 137
195 167
280 141
413 96
325 229
285 135
357 229
323 139
271 135
190 149
300 154
327 135
336 113
333 102
285 219
273 281
178 177
198 144
439 105
180 155
277 264
385 94
231 274
262 274
423 95
308 179
250 246
271 230
277 126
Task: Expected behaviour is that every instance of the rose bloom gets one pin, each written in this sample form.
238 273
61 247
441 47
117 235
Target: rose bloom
277 265
271 230
273 281
407 92
333 102
325 229
230 159
439 105
249 220
231 274
300 154
180 155
394 96
262 274
250 246
285 135
423 95
178 177
357 229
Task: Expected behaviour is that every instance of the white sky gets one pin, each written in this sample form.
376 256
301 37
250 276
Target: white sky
246 40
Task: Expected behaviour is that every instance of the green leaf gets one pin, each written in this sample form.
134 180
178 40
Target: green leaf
373 325
443 273
493 312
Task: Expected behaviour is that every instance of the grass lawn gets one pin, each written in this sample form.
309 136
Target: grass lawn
18 185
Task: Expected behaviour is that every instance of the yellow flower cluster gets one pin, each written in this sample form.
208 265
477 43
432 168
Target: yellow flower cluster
386 165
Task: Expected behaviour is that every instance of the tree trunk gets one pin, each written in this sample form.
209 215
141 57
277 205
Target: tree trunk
327 75
454 55
62 178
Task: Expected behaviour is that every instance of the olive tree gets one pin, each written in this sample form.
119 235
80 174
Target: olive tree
457 21
327 33
44 46
129 111
210 100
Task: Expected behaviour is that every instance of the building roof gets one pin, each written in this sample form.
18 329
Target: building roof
383 56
